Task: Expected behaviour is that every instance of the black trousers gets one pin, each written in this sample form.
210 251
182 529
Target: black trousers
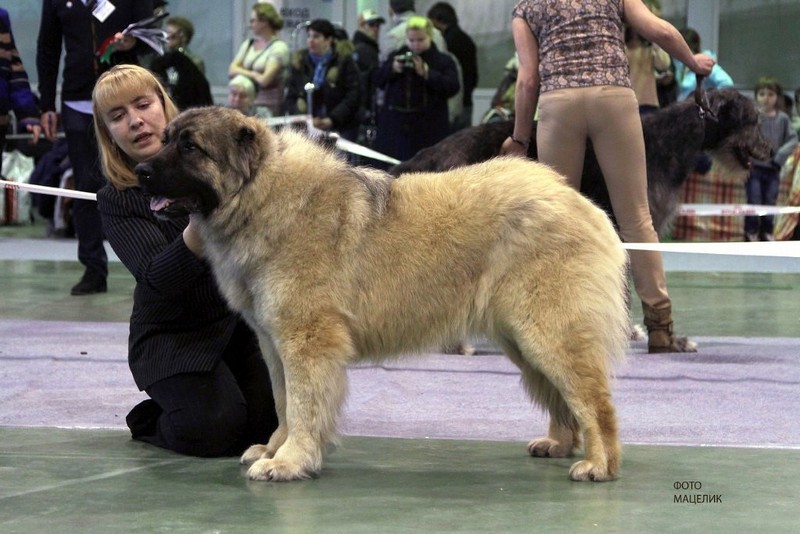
218 413
86 172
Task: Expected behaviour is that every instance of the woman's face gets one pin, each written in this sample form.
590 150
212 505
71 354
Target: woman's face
317 43
137 125
257 26
239 98
418 41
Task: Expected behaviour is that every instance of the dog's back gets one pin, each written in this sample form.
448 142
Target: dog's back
457 247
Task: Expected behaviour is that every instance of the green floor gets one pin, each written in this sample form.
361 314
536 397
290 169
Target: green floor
56 480
78 480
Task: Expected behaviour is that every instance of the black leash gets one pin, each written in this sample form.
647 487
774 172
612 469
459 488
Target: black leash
701 99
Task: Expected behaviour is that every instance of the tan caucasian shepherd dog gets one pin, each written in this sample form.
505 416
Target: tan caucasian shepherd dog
331 264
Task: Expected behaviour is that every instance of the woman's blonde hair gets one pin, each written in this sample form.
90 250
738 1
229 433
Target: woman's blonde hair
121 84
266 12
420 23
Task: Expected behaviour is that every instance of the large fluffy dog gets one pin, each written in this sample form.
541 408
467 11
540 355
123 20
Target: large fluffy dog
331 264
673 137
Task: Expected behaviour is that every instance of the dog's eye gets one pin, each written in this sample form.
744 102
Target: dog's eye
188 146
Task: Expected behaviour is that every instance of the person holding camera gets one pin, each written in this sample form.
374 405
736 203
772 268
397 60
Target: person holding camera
417 80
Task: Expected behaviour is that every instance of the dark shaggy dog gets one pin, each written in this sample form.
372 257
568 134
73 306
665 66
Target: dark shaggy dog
673 138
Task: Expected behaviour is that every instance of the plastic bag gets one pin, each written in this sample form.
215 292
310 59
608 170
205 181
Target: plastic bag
15 205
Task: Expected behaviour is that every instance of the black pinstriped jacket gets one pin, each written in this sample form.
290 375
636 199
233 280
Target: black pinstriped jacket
180 322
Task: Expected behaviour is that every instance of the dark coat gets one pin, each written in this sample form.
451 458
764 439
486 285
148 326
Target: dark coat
368 60
71 25
340 95
180 322
184 81
463 47
415 114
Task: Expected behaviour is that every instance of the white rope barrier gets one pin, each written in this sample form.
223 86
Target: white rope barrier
734 210
774 249
45 190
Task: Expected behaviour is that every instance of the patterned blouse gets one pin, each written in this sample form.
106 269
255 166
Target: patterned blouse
581 42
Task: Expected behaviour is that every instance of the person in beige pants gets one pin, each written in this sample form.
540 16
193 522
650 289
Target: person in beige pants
572 65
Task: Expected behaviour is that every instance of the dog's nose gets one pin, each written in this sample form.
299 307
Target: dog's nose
144 171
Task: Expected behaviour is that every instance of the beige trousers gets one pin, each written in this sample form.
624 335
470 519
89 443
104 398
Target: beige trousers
609 116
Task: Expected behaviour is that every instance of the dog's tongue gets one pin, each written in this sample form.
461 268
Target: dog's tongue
159 203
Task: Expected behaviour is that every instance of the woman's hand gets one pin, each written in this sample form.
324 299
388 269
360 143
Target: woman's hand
192 238
122 42
513 147
703 64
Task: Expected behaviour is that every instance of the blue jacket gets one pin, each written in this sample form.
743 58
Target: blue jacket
15 91
687 81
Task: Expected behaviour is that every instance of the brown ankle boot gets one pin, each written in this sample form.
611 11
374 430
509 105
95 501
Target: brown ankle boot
659 332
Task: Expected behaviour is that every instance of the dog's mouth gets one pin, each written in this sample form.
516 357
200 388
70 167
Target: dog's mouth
173 207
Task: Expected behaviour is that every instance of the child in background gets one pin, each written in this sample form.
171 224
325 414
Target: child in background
762 184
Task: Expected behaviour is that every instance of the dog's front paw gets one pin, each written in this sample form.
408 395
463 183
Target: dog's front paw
549 448
271 470
585 471
253 454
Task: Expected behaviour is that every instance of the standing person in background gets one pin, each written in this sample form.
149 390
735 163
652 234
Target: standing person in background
645 59
687 82
763 181
395 37
15 90
367 57
336 93
81 28
418 79
264 59
209 386
179 34
462 46
582 96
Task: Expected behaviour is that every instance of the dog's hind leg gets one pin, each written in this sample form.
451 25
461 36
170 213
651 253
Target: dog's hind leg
314 354
570 380
563 437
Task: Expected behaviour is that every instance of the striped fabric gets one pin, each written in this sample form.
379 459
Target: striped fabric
15 91
180 323
718 186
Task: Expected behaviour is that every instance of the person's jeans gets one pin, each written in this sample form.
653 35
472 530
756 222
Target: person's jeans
762 188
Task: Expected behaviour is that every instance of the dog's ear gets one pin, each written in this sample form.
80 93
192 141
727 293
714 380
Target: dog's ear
246 140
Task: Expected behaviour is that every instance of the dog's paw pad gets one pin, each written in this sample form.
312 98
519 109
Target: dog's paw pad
586 471
548 448
253 454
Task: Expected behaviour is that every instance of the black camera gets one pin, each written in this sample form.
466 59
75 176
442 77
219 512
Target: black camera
407 59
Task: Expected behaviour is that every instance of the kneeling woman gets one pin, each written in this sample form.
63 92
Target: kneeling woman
209 387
